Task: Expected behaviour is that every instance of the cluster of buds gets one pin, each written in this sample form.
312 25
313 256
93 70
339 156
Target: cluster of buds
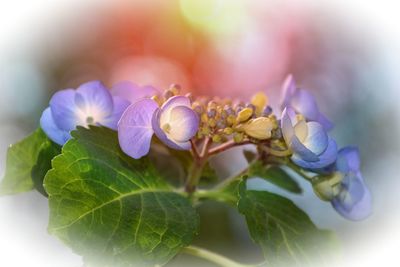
224 119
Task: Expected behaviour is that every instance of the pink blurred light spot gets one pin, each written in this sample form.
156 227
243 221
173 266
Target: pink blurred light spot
148 70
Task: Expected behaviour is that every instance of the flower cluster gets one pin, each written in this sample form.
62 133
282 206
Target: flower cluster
181 122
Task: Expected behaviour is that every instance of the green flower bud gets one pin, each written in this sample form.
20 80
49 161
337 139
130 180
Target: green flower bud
327 187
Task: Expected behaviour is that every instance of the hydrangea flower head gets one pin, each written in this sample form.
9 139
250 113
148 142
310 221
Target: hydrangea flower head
174 123
90 104
311 146
354 198
303 102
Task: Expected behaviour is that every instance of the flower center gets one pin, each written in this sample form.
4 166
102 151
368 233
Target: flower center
166 128
90 120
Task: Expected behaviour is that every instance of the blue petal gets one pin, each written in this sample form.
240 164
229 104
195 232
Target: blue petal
94 97
304 103
51 129
287 124
324 121
120 105
133 92
348 160
288 90
325 159
317 139
299 150
163 137
64 110
135 129
354 202
184 123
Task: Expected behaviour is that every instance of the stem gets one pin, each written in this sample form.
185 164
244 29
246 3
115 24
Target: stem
212 257
196 153
217 195
276 153
196 170
292 166
194 175
226 146
229 180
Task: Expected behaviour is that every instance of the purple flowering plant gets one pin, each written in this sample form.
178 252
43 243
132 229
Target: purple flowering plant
95 154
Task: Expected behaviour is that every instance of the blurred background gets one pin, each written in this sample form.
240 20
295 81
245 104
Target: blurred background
346 52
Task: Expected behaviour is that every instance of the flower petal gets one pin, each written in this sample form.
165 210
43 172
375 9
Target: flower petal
135 130
94 100
304 103
64 110
325 159
287 124
288 90
348 160
184 123
163 136
301 151
120 105
170 104
354 202
133 92
324 121
51 129
317 139
301 130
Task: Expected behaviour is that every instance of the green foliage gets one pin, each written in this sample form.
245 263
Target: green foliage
274 175
285 233
112 209
27 163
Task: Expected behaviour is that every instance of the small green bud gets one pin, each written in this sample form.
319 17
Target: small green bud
238 137
327 187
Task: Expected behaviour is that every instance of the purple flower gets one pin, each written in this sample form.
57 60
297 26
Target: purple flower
133 92
311 146
303 102
175 123
90 104
354 199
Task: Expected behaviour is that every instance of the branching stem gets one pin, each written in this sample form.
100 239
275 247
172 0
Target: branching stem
213 257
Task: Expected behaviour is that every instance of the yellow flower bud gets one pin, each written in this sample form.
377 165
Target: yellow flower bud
216 138
157 99
228 130
231 119
259 100
238 137
259 128
244 114
204 118
212 122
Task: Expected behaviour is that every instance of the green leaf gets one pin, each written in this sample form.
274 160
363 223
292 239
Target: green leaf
47 151
26 157
285 233
114 210
274 175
